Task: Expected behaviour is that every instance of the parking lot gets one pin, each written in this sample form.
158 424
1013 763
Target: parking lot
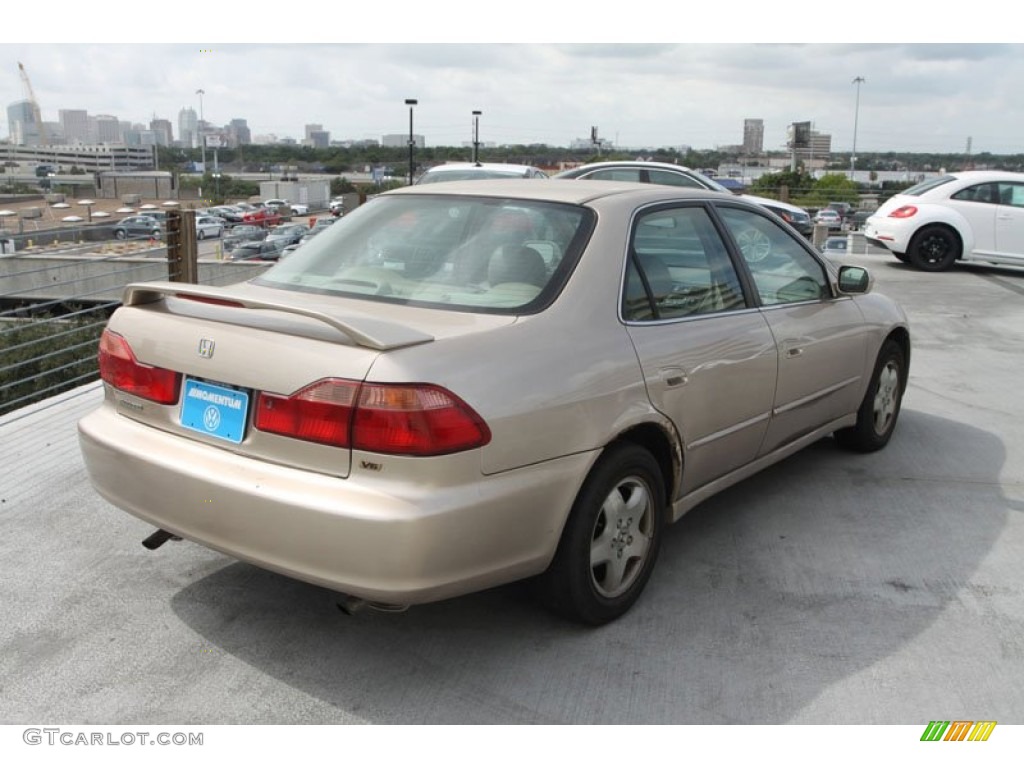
831 588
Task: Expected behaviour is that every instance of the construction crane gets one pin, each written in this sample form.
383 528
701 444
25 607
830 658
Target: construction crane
37 114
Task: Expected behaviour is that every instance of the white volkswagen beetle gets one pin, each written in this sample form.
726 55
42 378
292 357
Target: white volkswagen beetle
966 216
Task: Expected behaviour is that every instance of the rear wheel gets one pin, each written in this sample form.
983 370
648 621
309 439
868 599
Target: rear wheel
611 539
876 418
934 248
901 256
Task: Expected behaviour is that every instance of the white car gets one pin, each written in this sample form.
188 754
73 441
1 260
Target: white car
650 172
297 209
472 171
965 216
829 217
209 226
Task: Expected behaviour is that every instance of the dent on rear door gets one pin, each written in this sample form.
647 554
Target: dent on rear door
709 363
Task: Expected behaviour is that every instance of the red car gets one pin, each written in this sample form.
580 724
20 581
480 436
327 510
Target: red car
262 217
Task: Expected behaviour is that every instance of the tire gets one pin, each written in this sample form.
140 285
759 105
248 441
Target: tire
120 234
901 257
876 418
611 539
934 248
200 235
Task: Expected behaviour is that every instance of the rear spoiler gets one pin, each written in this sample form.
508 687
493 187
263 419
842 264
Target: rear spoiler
365 332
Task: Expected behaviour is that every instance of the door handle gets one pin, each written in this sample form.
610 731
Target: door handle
673 377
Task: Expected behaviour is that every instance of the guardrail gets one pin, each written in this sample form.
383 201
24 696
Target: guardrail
55 302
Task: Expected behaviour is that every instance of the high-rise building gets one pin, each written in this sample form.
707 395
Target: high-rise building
188 127
74 125
753 136
108 129
163 129
22 126
239 130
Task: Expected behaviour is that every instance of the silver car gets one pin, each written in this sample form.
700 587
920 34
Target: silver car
462 385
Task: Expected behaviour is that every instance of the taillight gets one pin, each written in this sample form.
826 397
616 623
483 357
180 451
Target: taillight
903 212
416 420
786 216
121 370
403 419
320 413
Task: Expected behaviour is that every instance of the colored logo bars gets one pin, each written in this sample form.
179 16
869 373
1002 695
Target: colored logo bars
958 730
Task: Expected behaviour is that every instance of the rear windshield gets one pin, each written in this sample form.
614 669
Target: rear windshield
465 253
925 186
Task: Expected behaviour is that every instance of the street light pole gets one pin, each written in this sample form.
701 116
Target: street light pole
856 114
476 135
199 128
412 141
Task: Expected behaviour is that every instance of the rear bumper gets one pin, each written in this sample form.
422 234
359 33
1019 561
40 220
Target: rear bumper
391 542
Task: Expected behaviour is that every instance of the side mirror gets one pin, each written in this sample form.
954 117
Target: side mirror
853 280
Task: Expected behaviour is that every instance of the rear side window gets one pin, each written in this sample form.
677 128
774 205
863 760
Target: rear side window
678 267
927 186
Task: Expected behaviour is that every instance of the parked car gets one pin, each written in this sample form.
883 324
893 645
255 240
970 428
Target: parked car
648 172
229 213
845 210
321 226
297 209
260 250
488 381
830 218
243 233
287 234
467 171
835 247
336 207
209 226
137 227
966 216
263 217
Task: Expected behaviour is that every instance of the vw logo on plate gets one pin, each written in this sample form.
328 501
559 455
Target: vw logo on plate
211 418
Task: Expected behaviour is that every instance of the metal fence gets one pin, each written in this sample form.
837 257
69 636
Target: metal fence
56 297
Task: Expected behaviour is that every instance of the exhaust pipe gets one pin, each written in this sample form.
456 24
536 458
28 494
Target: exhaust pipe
350 605
158 538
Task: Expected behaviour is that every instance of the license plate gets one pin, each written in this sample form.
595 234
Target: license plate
215 410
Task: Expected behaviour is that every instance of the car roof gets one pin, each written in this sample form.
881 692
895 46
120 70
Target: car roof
512 167
574 192
632 164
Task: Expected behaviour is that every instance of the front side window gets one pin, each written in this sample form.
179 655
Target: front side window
678 267
465 253
782 270
616 174
674 179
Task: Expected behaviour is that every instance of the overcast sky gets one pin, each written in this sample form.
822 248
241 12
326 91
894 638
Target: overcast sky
918 97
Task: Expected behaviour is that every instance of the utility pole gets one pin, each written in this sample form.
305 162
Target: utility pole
856 113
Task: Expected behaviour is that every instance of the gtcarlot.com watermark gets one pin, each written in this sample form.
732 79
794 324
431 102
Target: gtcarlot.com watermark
61 737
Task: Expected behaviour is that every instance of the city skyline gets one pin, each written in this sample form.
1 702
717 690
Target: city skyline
912 97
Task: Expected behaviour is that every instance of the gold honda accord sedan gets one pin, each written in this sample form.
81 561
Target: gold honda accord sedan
462 385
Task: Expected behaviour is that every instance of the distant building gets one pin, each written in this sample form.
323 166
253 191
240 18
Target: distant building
753 136
317 137
239 131
819 148
91 158
402 140
163 130
188 127
74 125
22 126
107 129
